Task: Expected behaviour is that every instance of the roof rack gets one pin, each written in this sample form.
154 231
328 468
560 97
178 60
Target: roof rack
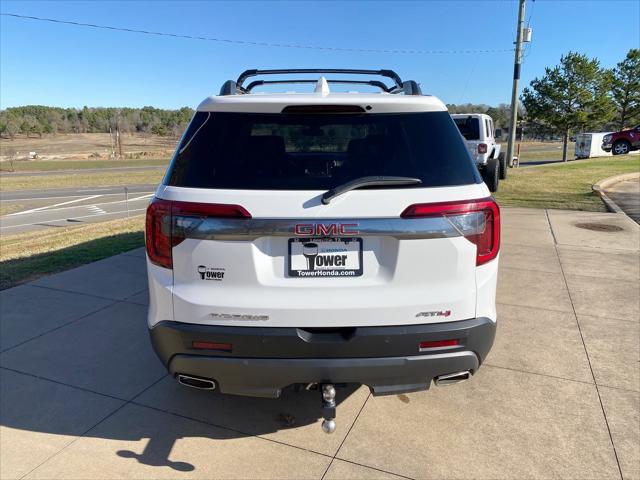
373 83
409 87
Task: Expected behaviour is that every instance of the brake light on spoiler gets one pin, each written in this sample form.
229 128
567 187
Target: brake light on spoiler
477 220
161 237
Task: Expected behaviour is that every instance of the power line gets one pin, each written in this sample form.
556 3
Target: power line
259 44
533 7
529 45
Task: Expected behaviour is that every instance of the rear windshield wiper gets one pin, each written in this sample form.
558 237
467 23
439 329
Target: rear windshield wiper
367 182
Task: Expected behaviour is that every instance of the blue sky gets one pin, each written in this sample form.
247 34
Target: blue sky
59 65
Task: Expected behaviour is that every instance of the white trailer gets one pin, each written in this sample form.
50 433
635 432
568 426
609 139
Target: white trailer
589 145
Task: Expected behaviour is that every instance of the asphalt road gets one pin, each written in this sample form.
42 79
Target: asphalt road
66 207
55 193
626 194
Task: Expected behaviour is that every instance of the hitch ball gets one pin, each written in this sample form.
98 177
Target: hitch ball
328 426
328 393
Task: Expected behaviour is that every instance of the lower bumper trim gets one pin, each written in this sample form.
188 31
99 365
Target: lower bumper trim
265 360
261 377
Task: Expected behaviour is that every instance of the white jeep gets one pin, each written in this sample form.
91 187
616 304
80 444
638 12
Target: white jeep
478 132
322 239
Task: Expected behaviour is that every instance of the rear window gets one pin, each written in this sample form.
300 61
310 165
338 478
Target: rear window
469 127
264 151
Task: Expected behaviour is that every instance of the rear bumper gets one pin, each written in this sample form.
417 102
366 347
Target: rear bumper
263 361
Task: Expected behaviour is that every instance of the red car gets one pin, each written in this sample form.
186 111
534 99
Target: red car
622 142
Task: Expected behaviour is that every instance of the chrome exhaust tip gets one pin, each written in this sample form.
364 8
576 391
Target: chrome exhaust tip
195 382
451 378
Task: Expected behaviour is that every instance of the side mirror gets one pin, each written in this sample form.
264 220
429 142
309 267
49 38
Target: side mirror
498 133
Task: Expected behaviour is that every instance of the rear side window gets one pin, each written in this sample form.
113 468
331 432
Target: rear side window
469 127
264 151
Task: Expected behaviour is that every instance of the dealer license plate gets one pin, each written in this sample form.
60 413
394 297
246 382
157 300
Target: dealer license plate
325 257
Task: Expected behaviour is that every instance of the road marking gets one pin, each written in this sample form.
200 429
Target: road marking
27 199
39 209
96 209
49 209
139 198
95 190
72 218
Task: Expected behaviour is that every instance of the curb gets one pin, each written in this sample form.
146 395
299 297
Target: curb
599 187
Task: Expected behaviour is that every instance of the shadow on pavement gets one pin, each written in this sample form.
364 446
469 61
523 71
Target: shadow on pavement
236 417
163 414
87 369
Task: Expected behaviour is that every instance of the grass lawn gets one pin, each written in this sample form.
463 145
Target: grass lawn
562 185
27 256
537 151
52 165
102 179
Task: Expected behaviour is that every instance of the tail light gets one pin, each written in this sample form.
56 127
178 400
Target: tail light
482 148
160 234
477 220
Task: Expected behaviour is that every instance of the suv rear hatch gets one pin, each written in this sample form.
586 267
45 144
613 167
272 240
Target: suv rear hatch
470 129
241 221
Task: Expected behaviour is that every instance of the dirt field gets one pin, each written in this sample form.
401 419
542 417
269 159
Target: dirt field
82 146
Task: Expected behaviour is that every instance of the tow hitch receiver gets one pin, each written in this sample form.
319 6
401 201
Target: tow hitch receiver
328 393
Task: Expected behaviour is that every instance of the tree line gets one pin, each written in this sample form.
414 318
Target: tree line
579 95
36 120
575 96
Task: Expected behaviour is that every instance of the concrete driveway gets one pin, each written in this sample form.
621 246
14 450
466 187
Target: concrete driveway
83 395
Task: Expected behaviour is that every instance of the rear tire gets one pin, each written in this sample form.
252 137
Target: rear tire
621 147
491 174
502 161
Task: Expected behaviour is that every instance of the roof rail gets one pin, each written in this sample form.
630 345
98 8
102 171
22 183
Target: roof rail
409 87
373 83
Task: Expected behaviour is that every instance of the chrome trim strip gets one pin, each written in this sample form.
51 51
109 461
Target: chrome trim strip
250 229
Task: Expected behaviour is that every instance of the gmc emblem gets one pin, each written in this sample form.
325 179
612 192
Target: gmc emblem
326 229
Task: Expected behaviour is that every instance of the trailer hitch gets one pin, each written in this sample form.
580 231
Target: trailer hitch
328 392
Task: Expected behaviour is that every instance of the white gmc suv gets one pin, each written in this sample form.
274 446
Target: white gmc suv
321 239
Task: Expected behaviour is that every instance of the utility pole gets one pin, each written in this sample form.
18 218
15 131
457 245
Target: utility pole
113 148
514 92
117 136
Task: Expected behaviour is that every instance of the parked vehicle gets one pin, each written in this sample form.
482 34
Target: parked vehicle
589 145
477 129
622 142
320 239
